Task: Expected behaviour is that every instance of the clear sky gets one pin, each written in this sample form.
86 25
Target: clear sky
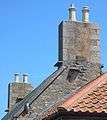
29 37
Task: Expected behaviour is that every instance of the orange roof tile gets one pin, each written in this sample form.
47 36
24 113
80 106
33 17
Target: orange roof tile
91 98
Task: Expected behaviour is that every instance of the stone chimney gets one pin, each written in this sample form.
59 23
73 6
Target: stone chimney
78 40
72 13
85 14
79 43
17 90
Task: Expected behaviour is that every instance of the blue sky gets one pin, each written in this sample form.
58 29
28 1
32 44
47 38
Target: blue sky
29 37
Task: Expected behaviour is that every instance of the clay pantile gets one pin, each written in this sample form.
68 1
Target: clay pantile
90 105
87 101
84 109
105 110
76 105
105 84
104 106
103 101
80 102
82 105
105 97
77 109
93 96
102 89
99 97
98 105
91 109
99 110
104 93
95 90
95 101
97 93
90 98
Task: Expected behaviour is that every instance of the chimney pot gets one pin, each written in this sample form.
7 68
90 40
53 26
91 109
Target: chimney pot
25 78
72 13
16 79
85 14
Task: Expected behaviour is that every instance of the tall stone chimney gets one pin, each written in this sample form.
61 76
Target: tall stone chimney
17 90
79 44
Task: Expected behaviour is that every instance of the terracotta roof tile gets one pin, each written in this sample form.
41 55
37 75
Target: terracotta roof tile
84 109
103 101
91 98
95 100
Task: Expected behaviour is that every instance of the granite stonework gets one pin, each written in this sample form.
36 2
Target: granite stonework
79 55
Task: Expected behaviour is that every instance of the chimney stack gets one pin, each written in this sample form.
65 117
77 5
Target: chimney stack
85 14
16 79
72 13
25 78
17 90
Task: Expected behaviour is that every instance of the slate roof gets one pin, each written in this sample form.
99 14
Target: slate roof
19 107
90 98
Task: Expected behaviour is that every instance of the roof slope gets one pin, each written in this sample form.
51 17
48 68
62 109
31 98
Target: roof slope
18 108
90 98
60 87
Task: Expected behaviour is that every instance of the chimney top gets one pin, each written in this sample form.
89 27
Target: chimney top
72 6
25 78
86 7
85 12
72 13
16 79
